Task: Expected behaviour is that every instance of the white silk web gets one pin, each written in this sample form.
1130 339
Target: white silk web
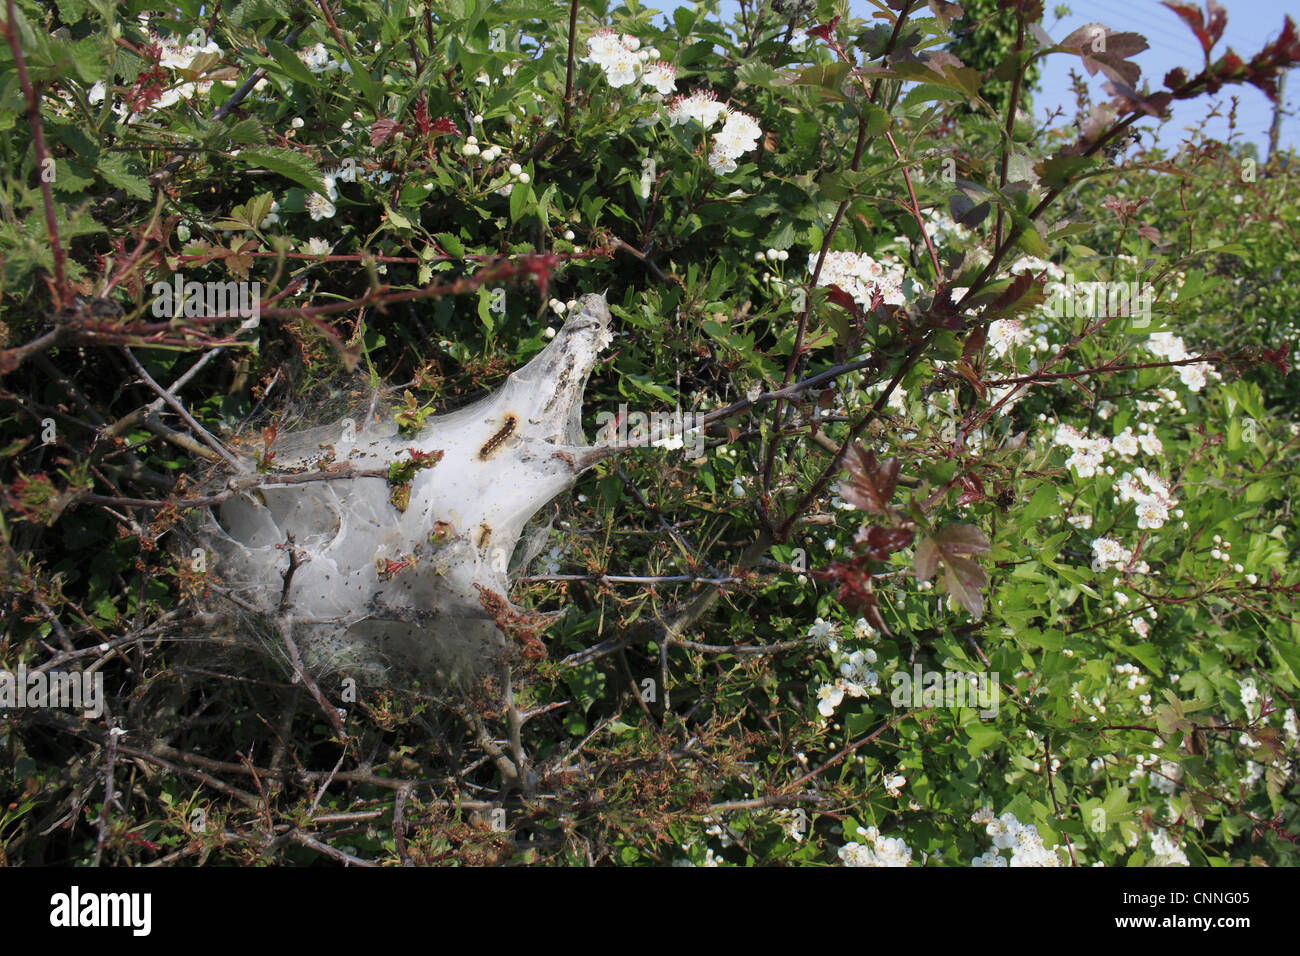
374 587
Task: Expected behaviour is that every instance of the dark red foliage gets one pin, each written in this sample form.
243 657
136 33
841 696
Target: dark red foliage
871 484
879 543
445 126
855 592
149 83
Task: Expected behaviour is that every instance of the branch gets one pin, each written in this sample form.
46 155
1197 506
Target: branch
38 143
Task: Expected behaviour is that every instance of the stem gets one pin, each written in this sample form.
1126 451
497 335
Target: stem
568 76
38 143
1012 103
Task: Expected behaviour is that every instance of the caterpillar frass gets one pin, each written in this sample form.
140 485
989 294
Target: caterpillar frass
493 443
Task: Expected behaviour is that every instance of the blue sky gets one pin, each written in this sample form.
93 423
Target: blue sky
1251 23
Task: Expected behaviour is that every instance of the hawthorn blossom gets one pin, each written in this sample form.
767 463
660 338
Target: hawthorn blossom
616 54
822 633
875 850
1150 443
177 55
739 135
318 60
1151 514
1165 851
1125 444
701 106
661 76
322 207
829 696
319 207
1004 830
861 276
1107 552
1004 334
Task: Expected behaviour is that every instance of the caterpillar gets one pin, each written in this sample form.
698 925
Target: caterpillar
493 443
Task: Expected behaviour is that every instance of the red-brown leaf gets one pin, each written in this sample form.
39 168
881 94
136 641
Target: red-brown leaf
381 129
870 484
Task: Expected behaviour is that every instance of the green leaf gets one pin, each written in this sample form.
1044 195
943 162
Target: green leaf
484 312
684 21
520 199
246 131
828 78
1061 169
877 119
290 65
124 174
396 219
646 384
1028 237
1042 503
982 737
292 166
840 185
450 244
1047 640
755 73
1289 652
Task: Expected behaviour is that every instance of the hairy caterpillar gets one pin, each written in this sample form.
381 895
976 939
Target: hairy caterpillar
493 443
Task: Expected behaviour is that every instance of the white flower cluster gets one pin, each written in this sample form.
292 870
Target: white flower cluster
860 276
792 824
857 678
1107 552
318 60
943 228
1151 495
322 207
487 155
739 133
1022 839
623 61
174 54
1036 265
177 55
1171 347
1166 851
1005 334
1249 697
1162 775
1134 678
823 633
875 850
701 106
1088 451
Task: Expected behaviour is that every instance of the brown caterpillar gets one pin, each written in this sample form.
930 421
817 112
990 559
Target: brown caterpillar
495 441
